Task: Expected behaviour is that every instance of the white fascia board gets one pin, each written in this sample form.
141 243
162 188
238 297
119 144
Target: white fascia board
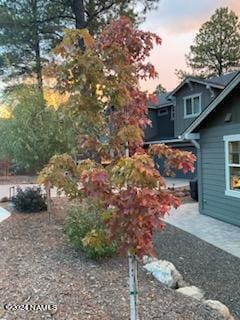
191 136
164 141
186 81
160 106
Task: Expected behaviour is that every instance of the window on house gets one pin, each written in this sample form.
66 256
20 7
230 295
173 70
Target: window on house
172 113
192 106
163 112
232 158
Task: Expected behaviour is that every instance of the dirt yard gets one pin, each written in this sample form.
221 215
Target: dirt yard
39 266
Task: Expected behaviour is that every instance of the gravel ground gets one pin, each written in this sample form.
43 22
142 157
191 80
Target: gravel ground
38 265
203 265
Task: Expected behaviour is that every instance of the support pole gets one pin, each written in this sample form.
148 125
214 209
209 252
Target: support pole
133 286
49 205
132 263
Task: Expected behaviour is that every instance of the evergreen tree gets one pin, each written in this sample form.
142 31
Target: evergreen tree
216 47
94 14
159 89
29 28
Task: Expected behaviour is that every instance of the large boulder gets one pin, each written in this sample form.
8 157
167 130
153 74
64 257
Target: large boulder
165 272
220 308
192 291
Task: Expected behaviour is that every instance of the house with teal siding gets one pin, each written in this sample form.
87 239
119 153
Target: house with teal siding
204 117
216 133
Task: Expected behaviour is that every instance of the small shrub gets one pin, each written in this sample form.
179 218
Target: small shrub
86 231
97 244
29 200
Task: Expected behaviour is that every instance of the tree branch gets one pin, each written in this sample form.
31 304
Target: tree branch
96 13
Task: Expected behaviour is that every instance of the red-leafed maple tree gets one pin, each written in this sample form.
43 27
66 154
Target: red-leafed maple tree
102 83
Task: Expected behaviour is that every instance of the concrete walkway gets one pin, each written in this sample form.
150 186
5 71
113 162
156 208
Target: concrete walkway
176 183
220 234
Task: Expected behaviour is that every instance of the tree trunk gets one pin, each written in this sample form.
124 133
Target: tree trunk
220 69
37 47
133 286
79 13
132 264
38 66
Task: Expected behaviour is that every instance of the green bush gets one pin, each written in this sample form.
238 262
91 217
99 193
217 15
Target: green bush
29 200
86 231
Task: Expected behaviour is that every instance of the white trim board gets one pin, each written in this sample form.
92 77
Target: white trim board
192 96
228 190
191 79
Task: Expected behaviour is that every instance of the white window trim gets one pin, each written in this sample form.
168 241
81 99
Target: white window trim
228 191
187 116
163 112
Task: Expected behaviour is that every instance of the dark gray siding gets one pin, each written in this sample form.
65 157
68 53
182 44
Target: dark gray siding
151 131
162 126
213 201
180 123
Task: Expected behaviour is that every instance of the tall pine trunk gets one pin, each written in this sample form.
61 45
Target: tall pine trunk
37 49
79 13
38 67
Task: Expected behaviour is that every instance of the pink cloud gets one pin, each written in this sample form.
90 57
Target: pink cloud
177 30
168 57
194 21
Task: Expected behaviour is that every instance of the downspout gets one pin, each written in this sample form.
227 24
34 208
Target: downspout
194 138
196 144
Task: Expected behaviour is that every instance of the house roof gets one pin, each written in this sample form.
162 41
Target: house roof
215 82
224 79
162 101
214 104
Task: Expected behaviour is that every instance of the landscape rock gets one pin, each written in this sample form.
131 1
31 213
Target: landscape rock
148 259
221 309
165 272
192 291
182 283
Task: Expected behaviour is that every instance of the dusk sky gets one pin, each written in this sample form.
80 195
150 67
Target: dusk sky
177 22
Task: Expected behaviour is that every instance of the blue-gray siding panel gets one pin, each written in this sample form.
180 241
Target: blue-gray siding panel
151 131
214 201
180 123
162 127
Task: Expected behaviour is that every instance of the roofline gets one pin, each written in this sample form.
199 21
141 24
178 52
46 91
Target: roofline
161 106
235 81
164 141
204 82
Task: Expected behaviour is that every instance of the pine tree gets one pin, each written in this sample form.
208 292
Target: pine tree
95 14
216 47
29 29
159 89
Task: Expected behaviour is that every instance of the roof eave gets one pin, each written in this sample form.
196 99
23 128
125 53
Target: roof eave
161 106
163 141
213 105
185 81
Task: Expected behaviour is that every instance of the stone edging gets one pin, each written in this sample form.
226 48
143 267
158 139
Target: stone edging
4 214
165 272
